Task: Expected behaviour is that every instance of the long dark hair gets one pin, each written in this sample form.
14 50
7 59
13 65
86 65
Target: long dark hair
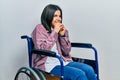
48 14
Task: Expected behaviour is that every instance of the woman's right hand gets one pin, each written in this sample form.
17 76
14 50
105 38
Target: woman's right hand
57 27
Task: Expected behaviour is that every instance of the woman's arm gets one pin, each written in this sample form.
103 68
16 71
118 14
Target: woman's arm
42 39
65 44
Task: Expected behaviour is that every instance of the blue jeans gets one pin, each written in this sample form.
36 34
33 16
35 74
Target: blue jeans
76 71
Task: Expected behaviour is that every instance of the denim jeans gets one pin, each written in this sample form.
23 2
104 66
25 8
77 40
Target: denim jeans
76 71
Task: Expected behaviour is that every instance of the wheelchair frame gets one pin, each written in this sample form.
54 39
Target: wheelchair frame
93 63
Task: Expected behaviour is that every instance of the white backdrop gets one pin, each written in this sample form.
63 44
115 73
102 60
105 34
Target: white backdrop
92 21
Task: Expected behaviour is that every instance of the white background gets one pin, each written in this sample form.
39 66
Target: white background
91 21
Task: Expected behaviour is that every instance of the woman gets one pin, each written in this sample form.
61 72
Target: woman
52 35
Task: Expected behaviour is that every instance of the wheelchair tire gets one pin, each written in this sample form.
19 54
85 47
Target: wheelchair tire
26 73
39 73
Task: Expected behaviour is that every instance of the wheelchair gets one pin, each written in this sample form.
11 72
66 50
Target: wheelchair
30 73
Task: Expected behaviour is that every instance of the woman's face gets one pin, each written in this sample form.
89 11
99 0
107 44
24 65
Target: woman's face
56 18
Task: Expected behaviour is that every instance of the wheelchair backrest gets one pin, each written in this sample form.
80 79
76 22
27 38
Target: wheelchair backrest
30 47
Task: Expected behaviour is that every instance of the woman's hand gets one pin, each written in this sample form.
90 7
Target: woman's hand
62 30
59 28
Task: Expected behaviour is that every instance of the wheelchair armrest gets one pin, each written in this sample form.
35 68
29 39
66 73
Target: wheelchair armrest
52 54
44 52
24 37
81 45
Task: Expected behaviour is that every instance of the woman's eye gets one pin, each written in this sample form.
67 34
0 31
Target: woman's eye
55 15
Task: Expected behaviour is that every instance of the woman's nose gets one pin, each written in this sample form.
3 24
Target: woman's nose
59 19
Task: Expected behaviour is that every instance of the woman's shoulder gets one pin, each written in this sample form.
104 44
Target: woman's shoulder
40 27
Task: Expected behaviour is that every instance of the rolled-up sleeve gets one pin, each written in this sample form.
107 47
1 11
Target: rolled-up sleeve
65 44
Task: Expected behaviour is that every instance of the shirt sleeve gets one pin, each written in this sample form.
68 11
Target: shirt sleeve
65 44
42 39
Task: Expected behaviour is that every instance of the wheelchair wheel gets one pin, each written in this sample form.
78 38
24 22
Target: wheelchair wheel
39 73
26 73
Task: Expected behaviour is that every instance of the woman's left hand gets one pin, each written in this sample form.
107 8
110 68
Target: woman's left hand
62 30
